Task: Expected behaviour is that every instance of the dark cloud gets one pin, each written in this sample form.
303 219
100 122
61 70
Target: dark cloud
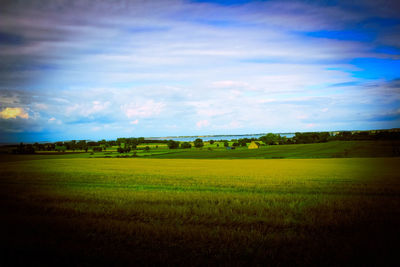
11 39
392 116
395 83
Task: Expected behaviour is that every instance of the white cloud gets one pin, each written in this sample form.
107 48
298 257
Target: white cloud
225 84
246 67
97 106
310 125
202 124
54 121
231 125
41 106
149 108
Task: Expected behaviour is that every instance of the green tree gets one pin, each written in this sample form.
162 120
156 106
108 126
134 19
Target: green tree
97 149
198 142
172 144
186 145
81 144
271 139
121 141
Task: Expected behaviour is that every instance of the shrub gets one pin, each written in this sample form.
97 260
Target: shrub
172 144
186 145
97 149
198 142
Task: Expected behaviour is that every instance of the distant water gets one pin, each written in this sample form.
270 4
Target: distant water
215 137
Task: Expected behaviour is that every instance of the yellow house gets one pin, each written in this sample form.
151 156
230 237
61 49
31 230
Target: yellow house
254 145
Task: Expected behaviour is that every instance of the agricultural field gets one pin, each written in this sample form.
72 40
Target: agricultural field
334 149
68 209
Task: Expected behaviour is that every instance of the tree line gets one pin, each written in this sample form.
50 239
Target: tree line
128 144
322 137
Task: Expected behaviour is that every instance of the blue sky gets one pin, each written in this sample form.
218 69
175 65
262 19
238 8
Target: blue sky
108 69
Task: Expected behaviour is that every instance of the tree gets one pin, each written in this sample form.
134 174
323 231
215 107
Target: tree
97 149
24 149
226 144
198 143
121 141
123 150
211 142
315 137
186 145
271 139
61 148
81 144
72 145
112 143
243 141
172 144
92 143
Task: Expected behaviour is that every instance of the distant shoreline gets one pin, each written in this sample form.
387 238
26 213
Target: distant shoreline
192 136
204 137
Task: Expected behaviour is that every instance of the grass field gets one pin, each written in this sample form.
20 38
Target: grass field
334 149
85 211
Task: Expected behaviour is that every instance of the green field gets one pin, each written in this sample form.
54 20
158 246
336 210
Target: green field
62 209
334 149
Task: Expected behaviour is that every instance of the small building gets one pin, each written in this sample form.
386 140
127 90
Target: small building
254 145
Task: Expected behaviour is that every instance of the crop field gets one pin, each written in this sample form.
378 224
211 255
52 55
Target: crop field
85 211
334 149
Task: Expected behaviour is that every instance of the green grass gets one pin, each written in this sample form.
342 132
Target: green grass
86 211
336 149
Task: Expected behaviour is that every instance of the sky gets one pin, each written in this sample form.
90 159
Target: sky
73 70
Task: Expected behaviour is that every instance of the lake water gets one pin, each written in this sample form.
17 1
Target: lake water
216 137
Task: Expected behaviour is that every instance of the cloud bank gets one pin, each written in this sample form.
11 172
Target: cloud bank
100 69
